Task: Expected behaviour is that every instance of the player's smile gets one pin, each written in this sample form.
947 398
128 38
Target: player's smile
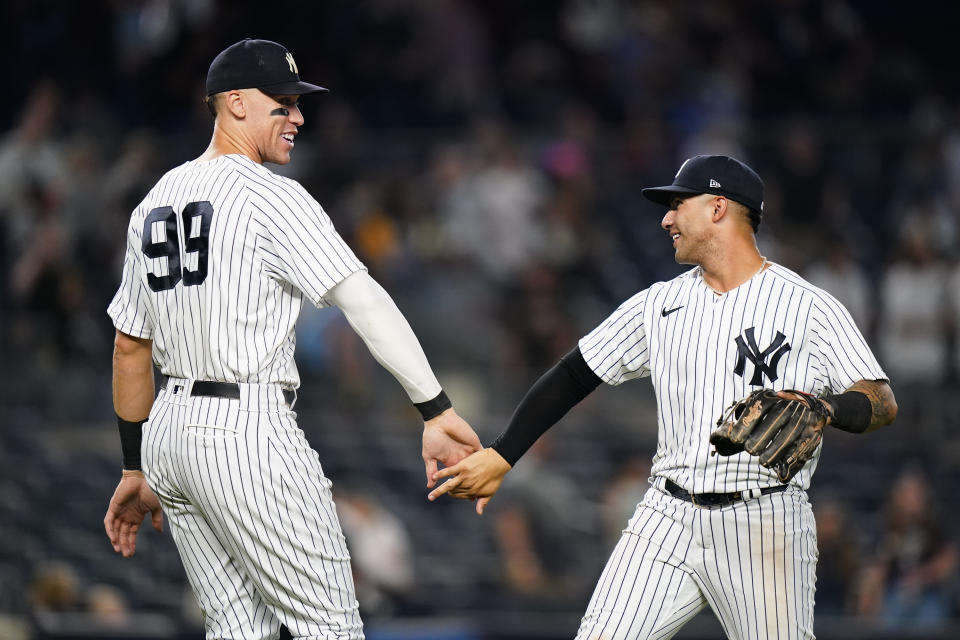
669 222
674 235
284 115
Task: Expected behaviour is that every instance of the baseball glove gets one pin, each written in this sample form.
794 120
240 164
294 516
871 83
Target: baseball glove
783 432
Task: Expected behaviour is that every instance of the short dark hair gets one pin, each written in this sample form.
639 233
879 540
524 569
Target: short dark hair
211 102
754 217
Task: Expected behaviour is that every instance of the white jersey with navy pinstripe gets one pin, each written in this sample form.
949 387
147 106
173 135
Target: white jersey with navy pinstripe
220 255
704 351
218 275
752 561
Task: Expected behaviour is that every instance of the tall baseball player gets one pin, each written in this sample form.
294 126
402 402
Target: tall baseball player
221 255
734 531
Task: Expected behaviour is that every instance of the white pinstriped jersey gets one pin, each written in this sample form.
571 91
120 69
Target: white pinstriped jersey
220 255
704 351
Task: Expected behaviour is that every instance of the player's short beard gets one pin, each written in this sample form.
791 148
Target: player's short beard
699 250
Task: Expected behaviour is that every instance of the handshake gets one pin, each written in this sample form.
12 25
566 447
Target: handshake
476 477
472 472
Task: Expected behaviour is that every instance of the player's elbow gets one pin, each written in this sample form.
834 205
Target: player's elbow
892 408
129 347
884 407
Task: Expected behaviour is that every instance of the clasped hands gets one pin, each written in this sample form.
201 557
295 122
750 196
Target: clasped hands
474 473
476 477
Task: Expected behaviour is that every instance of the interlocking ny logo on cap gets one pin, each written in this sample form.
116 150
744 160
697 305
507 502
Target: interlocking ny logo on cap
714 184
292 64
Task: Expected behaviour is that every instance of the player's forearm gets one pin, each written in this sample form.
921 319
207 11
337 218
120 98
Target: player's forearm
883 404
133 388
132 393
375 317
549 399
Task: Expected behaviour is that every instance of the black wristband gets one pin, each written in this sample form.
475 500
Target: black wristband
131 434
852 411
432 408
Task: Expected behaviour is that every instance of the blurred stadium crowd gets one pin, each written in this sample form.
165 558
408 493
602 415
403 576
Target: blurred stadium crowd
485 159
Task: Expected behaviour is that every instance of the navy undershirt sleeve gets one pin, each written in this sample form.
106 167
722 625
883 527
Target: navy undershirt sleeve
549 399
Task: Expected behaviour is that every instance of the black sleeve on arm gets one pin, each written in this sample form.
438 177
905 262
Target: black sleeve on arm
549 399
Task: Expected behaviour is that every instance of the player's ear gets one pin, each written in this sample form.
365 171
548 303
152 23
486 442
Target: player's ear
234 102
720 206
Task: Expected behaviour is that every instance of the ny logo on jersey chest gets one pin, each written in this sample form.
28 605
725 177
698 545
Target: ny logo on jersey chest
747 349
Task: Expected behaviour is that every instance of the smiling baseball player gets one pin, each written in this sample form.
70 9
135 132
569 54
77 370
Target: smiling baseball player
734 531
221 255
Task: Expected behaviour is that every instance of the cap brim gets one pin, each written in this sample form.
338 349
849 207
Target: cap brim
663 195
292 88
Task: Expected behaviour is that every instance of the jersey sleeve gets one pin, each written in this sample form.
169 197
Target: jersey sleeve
302 246
617 349
129 309
844 352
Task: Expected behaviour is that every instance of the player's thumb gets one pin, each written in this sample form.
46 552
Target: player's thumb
157 519
431 470
481 504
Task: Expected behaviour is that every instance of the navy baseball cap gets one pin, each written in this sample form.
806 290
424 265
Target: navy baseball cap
719 175
257 64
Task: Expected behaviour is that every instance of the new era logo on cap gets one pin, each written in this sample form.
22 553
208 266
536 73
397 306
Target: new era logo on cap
720 175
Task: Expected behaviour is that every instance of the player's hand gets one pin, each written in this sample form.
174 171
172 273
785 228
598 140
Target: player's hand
475 478
793 395
447 439
131 501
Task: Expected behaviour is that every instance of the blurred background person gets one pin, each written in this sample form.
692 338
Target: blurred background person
907 582
381 550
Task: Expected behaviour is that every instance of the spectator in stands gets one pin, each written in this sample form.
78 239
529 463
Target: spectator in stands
913 325
31 160
908 582
55 588
840 559
533 310
912 329
108 606
839 273
381 551
493 222
540 527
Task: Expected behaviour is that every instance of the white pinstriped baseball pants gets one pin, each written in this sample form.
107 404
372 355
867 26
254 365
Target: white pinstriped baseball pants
251 514
753 563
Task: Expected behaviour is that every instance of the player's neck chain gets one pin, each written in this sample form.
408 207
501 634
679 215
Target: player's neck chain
763 265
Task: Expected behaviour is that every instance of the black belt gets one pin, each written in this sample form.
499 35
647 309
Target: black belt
210 389
718 499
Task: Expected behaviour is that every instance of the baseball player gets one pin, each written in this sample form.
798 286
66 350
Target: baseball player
221 255
735 531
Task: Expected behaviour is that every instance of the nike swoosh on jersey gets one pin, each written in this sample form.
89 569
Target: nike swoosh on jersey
665 313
